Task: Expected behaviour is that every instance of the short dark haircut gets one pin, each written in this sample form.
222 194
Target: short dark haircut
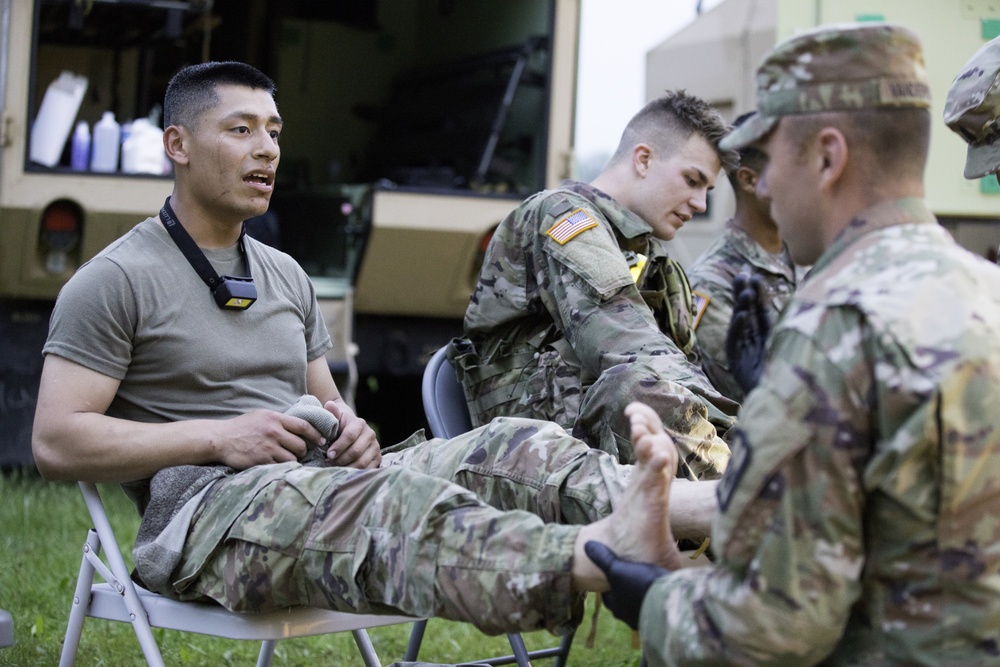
668 121
889 142
749 156
191 92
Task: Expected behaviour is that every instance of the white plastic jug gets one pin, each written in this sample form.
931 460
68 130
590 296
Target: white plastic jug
142 150
104 151
55 118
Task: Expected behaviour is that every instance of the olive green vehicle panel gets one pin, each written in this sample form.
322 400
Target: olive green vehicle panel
740 32
423 253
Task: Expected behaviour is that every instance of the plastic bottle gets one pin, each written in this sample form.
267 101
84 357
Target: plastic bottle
55 118
104 153
126 129
79 156
142 151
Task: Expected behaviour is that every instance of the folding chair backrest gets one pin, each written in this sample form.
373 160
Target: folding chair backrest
443 398
121 600
447 416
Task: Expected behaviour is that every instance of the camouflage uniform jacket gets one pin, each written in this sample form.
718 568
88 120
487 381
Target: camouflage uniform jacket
554 316
711 277
858 515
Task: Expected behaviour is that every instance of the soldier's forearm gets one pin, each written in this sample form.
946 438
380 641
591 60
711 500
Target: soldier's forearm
693 506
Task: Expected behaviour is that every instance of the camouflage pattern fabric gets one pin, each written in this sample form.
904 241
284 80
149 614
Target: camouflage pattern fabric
553 323
858 516
868 66
973 109
711 277
426 534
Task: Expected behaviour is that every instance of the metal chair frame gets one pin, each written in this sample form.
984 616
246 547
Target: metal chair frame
448 416
119 599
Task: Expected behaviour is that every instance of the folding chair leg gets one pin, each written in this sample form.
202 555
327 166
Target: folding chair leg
266 653
416 638
81 600
519 649
6 629
564 646
365 648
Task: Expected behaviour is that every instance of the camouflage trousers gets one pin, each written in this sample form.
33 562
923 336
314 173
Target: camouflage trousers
694 425
469 529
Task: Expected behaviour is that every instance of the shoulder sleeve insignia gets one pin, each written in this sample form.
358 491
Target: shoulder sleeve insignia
738 461
700 302
574 223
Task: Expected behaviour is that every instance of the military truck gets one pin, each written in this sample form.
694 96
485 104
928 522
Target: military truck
412 127
715 57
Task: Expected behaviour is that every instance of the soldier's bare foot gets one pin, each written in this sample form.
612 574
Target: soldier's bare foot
639 529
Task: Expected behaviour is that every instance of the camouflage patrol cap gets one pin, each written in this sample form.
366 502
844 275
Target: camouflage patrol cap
973 110
836 68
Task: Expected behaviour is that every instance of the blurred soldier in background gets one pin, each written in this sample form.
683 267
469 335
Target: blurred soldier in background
973 111
749 245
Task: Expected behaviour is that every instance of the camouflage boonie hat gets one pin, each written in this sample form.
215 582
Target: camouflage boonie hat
836 68
973 110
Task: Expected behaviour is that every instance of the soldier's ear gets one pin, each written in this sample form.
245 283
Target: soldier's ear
831 154
175 140
642 155
746 178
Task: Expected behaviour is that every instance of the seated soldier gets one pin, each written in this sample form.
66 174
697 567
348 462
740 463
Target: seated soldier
750 245
185 387
579 311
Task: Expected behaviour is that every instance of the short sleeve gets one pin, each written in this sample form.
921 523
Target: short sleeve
94 319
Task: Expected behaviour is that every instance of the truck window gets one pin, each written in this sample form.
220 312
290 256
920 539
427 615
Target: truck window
414 93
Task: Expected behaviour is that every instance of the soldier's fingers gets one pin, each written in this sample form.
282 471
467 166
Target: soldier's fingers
739 283
602 556
356 449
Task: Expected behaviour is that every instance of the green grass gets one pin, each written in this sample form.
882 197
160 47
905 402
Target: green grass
42 529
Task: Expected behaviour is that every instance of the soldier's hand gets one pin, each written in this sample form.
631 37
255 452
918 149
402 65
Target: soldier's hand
260 437
748 331
629 581
356 445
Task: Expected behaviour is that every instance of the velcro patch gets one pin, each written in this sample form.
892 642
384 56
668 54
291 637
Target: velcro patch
576 222
739 460
701 302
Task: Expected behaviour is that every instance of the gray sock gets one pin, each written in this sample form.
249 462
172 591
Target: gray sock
309 408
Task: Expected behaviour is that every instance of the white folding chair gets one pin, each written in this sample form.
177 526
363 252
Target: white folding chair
121 600
448 416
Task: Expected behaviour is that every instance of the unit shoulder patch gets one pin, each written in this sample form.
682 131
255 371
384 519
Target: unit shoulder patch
700 303
739 460
570 226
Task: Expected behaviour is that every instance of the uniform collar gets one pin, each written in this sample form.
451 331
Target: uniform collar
628 224
890 213
756 255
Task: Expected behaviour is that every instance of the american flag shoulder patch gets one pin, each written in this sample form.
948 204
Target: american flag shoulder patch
574 223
